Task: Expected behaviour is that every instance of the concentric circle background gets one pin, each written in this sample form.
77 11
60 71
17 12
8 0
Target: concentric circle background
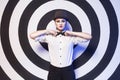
23 58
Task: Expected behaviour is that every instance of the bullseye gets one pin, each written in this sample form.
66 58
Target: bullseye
27 59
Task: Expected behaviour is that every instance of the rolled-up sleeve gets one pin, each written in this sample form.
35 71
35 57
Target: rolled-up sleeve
41 38
77 40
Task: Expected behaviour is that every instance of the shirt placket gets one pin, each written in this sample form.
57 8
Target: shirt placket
60 51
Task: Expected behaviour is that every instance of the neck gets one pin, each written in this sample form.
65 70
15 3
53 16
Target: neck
59 30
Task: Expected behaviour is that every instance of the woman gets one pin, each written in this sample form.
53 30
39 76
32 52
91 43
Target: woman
60 43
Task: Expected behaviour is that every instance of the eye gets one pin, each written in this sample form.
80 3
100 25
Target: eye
63 20
57 21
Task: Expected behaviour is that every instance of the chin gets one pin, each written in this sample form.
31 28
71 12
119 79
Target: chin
60 29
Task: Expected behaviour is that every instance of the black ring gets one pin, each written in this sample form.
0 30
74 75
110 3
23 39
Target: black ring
50 16
112 40
79 61
6 42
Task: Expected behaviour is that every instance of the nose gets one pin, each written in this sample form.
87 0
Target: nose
60 23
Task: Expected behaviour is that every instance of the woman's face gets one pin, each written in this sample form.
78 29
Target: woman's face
60 23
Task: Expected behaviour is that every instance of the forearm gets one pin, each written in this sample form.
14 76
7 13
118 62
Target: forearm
79 34
38 33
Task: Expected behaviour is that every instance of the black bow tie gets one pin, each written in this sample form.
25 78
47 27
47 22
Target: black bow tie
62 33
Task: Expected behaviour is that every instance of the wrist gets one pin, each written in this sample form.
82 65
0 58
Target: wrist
47 32
67 33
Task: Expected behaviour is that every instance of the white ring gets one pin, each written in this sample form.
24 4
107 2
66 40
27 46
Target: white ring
103 43
115 61
4 63
43 9
81 71
15 44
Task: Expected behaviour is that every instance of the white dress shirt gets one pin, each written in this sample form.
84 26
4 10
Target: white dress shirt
60 48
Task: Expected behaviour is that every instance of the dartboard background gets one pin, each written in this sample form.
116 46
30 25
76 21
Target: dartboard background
20 58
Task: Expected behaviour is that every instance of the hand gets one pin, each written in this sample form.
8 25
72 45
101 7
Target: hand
52 32
67 33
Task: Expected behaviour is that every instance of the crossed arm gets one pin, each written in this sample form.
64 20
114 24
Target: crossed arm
54 33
